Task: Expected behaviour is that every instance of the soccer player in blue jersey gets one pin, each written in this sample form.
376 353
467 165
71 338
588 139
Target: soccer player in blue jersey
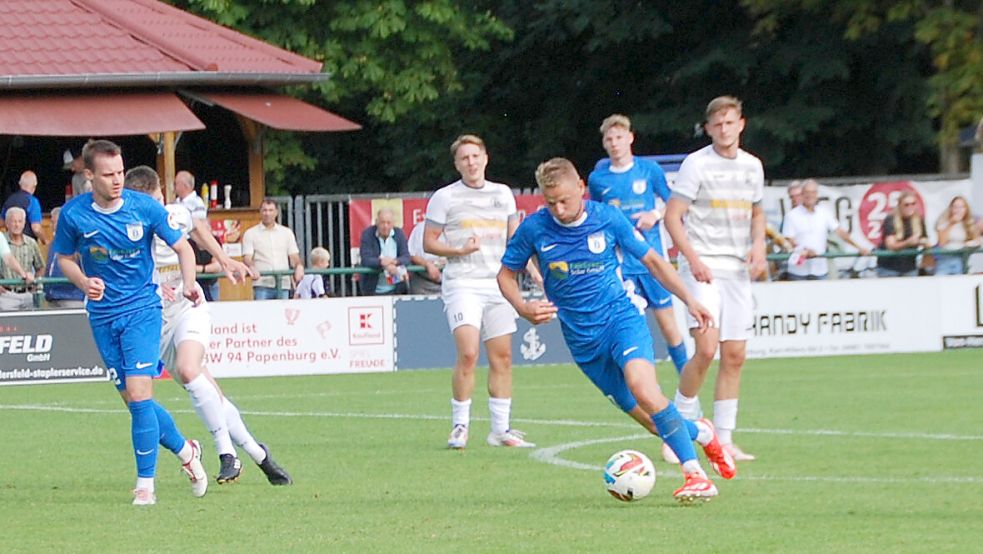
574 242
112 230
638 187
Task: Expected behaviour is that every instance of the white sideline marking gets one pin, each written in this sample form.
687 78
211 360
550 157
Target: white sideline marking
546 422
551 455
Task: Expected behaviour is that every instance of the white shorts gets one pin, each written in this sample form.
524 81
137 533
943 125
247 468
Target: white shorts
183 321
729 301
484 309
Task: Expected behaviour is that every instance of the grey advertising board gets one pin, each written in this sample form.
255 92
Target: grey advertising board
48 347
423 340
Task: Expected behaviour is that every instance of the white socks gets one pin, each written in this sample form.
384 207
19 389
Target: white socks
239 433
145 483
725 419
208 405
461 412
499 408
688 406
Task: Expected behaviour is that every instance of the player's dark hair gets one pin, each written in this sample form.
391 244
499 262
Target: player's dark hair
141 179
100 147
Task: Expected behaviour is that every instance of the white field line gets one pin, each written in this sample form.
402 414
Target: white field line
551 455
60 407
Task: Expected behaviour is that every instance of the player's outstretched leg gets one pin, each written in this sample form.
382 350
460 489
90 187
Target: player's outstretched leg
260 454
207 402
679 436
187 451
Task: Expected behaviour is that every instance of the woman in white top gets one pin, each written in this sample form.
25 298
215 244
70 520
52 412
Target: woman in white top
956 230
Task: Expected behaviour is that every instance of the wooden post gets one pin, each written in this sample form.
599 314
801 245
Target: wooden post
166 166
253 132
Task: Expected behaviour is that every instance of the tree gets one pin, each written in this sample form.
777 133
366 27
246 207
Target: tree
952 29
387 58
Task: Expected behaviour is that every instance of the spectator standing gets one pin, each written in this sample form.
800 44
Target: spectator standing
80 183
28 255
903 229
428 282
956 229
60 295
270 246
184 192
316 285
24 198
808 227
383 247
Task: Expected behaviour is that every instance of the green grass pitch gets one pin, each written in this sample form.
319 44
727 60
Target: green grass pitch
855 454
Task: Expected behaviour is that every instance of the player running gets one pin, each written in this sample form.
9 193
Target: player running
574 241
112 231
637 187
185 334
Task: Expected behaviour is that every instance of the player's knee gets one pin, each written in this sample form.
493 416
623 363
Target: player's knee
701 359
467 360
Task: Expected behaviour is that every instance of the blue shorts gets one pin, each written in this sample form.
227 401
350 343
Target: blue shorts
651 290
604 364
130 345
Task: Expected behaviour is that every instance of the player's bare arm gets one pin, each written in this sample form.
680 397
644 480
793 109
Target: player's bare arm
531 267
202 235
534 311
646 220
186 260
93 287
757 261
676 209
667 276
433 245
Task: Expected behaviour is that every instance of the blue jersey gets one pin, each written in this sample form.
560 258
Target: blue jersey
116 246
633 191
579 267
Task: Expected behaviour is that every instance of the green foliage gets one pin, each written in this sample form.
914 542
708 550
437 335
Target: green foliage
952 30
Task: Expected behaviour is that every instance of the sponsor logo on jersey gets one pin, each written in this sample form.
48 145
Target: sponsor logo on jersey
172 221
559 270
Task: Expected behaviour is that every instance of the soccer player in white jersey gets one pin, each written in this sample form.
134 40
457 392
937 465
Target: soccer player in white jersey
716 220
476 218
185 334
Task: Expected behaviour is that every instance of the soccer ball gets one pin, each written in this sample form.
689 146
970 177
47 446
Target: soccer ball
629 475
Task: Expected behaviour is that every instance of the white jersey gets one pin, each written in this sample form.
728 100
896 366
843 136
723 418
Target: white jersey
721 192
463 212
165 258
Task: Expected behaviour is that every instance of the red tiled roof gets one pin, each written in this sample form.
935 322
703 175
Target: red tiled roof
85 37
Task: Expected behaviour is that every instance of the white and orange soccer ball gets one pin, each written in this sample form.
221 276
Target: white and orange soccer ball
629 475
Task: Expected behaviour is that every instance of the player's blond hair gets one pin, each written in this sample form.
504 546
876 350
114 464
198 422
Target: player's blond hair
466 139
615 120
722 103
320 255
550 172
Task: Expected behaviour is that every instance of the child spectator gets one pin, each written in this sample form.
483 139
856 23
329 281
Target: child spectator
316 285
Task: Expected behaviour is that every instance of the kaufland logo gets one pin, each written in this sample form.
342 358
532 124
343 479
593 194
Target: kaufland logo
365 326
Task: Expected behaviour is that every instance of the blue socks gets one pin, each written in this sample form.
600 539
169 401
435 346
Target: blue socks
676 432
170 437
145 431
679 356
